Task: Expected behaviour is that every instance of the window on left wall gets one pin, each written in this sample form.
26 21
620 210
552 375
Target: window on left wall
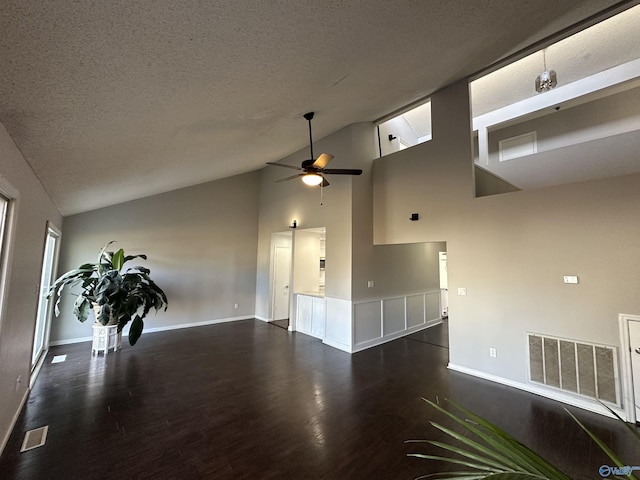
8 196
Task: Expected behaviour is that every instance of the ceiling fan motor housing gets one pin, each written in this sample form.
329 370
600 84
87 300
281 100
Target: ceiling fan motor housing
307 163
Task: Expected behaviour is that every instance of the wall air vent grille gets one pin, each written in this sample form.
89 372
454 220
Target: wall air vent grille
578 367
34 438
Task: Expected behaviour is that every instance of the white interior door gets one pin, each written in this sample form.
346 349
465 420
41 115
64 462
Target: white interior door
444 284
634 341
281 278
43 318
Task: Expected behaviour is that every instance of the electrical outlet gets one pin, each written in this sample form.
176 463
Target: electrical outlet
493 353
369 283
235 305
18 381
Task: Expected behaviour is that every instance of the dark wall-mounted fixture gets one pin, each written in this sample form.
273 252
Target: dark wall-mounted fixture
414 217
391 137
294 224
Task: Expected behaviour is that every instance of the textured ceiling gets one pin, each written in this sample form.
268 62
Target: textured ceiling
116 100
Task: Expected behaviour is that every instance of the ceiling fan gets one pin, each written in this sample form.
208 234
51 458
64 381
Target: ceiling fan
313 170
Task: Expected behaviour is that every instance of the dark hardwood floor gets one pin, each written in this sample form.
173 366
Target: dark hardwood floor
280 323
245 400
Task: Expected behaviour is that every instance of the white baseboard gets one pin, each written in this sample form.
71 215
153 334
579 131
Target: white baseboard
69 341
334 344
14 420
575 401
158 329
196 324
262 319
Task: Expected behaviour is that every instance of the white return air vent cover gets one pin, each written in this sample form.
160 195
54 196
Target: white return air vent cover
578 367
34 438
518 146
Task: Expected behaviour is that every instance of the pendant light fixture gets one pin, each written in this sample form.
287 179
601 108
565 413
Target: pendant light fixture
547 79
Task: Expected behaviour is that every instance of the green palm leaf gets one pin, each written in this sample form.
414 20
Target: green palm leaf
491 452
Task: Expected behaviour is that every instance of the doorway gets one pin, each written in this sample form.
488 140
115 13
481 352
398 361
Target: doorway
45 304
281 278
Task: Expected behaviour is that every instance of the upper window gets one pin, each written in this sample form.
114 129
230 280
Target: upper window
567 113
405 130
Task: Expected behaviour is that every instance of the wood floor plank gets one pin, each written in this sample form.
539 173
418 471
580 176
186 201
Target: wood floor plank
247 400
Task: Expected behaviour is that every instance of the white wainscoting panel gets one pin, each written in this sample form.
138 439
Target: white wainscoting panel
432 302
377 321
338 324
367 321
318 316
416 313
311 315
304 309
393 316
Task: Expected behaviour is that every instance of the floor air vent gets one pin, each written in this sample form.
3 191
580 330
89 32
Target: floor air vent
578 367
35 438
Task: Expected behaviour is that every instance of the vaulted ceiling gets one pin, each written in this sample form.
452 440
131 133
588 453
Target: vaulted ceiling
117 100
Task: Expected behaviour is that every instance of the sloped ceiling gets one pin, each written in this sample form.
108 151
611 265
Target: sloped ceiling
116 100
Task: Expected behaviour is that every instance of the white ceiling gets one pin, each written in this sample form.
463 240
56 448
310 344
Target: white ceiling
111 101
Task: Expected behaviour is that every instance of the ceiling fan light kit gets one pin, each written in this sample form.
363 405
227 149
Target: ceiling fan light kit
313 170
312 179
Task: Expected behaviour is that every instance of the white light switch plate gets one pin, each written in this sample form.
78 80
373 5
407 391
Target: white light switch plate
462 291
570 279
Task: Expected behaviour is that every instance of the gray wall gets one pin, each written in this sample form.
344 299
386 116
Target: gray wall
511 251
404 269
201 247
34 209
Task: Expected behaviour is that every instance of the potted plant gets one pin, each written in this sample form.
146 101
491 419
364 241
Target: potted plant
117 296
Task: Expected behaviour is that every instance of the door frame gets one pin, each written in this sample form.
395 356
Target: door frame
50 231
626 376
274 293
272 273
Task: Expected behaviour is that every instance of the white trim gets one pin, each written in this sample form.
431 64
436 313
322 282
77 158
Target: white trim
14 420
37 367
382 337
580 402
7 239
51 231
334 344
159 329
560 95
197 324
69 341
404 295
626 373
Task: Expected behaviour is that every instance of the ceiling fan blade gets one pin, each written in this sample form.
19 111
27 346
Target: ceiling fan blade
283 165
322 160
342 171
290 178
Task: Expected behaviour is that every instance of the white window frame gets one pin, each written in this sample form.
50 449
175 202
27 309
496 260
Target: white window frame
7 234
